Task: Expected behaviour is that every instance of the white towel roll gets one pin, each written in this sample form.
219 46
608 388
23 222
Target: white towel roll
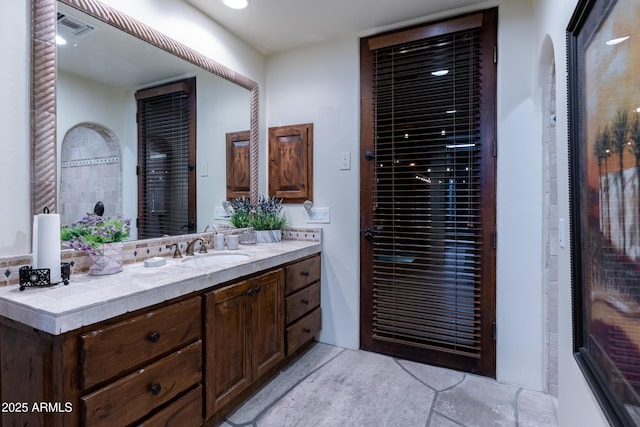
46 244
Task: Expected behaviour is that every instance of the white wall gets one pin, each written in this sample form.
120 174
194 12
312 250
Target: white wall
320 85
15 208
519 204
222 108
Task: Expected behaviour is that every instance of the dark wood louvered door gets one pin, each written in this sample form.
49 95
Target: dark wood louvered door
428 193
166 159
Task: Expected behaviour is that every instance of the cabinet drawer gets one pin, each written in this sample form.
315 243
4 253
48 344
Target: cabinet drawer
184 412
303 301
115 349
133 396
303 330
301 274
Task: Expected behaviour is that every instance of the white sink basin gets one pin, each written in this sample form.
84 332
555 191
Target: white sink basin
214 259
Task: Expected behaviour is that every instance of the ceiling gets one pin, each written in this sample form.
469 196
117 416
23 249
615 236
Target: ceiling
273 26
113 57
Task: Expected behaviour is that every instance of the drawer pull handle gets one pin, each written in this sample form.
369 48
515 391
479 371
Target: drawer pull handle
305 301
305 273
155 389
255 290
154 337
307 330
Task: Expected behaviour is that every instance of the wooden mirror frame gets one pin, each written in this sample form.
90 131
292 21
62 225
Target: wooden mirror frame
43 89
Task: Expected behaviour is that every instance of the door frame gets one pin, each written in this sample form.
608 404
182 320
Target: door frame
486 365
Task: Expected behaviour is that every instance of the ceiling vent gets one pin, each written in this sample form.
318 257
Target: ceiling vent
72 28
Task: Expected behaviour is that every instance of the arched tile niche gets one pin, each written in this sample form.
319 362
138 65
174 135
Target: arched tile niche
90 171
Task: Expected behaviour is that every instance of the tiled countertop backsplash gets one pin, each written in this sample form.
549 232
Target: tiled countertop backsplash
138 251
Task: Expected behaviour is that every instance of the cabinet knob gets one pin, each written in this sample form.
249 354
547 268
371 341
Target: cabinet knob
307 330
257 289
155 389
154 337
250 292
305 273
305 301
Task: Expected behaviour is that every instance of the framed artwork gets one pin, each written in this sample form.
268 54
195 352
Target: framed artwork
603 43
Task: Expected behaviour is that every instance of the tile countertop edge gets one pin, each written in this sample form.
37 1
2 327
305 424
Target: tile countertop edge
59 323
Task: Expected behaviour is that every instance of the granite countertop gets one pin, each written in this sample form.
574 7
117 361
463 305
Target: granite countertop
90 299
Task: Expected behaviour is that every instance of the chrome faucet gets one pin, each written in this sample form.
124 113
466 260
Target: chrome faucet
210 226
192 244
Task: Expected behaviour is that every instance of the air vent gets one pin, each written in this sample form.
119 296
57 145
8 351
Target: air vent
70 27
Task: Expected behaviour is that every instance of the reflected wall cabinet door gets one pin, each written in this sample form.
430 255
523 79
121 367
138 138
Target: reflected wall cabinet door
238 165
291 163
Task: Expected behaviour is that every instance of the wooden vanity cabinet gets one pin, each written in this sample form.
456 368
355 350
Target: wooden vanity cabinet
181 363
244 336
302 302
140 364
139 368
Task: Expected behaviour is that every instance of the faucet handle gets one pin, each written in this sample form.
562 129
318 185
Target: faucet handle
203 246
176 253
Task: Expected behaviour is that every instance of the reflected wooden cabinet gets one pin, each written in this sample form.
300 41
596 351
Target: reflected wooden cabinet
244 335
238 165
291 163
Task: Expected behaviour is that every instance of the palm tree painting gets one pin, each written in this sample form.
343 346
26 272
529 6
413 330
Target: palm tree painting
619 129
602 152
609 243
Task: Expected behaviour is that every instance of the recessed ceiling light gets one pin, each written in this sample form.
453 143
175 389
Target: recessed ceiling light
616 41
236 4
440 73
60 40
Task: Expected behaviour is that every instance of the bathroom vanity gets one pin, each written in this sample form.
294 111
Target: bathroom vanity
177 345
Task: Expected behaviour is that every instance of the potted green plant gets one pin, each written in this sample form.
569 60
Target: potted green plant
239 211
101 239
267 217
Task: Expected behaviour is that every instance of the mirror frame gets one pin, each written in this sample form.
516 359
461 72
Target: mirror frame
43 89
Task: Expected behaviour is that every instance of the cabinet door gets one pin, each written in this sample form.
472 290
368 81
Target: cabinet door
228 368
291 162
267 322
238 165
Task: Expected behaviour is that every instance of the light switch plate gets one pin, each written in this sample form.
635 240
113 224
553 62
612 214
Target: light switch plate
204 169
319 216
345 160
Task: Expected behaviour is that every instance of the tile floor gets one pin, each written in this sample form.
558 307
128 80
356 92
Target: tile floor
333 386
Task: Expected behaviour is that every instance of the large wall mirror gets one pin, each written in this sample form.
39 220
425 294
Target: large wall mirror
84 92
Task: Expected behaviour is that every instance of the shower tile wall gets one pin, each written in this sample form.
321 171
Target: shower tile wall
91 171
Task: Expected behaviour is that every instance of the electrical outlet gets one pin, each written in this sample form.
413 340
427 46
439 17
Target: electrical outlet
219 213
319 216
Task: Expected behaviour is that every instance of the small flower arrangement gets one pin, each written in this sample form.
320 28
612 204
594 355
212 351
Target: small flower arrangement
267 214
93 230
239 211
